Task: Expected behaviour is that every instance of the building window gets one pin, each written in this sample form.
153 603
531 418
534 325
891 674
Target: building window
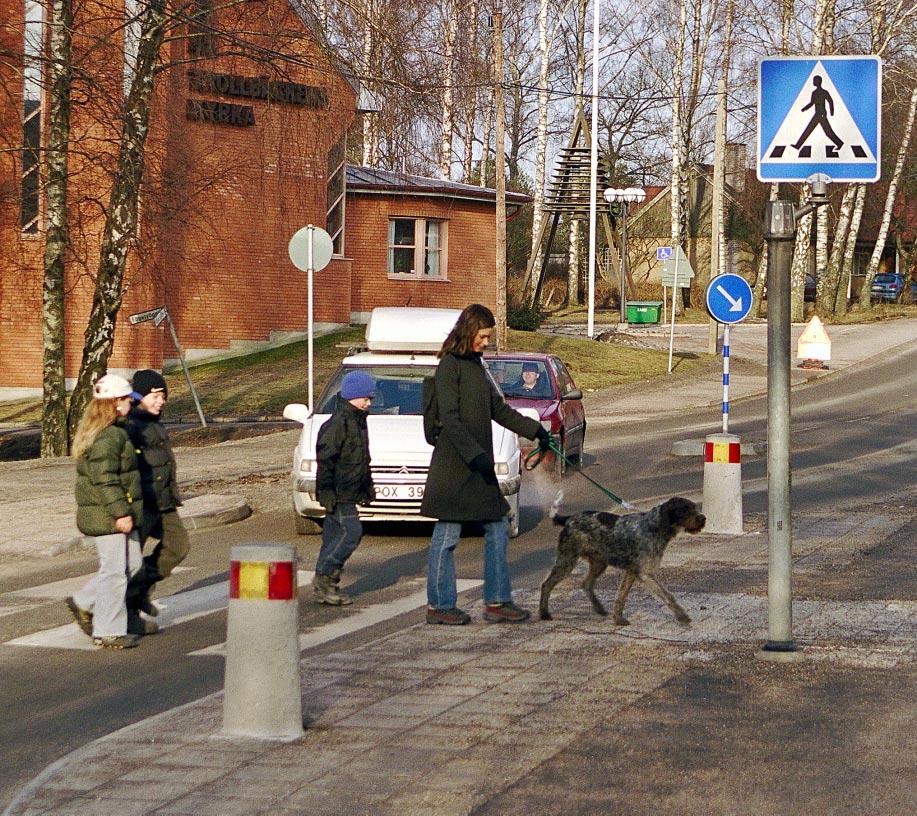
30 185
417 247
336 190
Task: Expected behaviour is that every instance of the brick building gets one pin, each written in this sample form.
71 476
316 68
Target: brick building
247 144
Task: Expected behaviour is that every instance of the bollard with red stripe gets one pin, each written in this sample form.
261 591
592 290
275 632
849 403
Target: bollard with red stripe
723 484
262 696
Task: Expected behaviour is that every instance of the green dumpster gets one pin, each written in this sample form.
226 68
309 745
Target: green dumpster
643 311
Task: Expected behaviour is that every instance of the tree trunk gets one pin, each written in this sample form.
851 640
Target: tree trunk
471 101
485 143
54 436
445 145
826 285
840 305
121 217
370 122
872 268
574 254
541 145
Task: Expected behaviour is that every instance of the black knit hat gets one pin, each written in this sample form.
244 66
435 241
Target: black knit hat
147 380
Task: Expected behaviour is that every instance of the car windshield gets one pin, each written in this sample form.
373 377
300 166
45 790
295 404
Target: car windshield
886 278
521 378
399 389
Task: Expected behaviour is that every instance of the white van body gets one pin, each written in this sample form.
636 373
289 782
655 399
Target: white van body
401 351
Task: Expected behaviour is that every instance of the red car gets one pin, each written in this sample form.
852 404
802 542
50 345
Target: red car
542 382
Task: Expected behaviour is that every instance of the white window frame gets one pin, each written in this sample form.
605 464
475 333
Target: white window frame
418 272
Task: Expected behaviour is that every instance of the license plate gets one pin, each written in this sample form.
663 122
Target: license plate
399 491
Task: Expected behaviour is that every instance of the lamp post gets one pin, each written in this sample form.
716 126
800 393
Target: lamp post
620 201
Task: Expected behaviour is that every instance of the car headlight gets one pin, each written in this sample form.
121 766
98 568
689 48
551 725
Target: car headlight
307 465
501 468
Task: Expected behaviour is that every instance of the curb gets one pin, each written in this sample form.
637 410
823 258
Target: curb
213 510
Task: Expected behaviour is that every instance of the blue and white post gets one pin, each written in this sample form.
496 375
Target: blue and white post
728 301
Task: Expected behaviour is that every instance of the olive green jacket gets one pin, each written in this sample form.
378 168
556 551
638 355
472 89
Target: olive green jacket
108 483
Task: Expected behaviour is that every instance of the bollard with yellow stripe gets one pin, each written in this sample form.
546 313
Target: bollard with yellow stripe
723 484
262 696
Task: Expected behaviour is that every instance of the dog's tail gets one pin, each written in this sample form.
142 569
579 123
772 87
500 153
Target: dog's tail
556 517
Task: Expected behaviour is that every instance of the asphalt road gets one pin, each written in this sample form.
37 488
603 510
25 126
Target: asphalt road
850 446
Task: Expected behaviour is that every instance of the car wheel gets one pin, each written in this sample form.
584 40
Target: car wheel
306 526
513 517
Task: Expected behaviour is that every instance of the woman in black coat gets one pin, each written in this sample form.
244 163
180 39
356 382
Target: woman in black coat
461 485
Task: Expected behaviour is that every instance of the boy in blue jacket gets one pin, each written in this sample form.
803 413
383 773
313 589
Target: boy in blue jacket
343 481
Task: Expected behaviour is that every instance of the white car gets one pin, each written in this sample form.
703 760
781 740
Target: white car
401 351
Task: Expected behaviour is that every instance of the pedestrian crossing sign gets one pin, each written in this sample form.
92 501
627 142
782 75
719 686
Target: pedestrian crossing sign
819 115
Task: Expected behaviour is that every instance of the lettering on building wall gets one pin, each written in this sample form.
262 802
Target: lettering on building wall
220 113
258 87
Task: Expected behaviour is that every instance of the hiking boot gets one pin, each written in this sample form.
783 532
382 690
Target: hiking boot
326 591
448 617
83 617
145 605
505 613
117 641
140 626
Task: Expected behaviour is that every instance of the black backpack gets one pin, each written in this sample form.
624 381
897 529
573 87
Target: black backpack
432 427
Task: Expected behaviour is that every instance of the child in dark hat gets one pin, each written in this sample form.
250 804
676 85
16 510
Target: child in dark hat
343 480
160 497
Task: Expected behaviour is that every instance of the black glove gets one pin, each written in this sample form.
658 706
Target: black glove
481 464
544 440
328 500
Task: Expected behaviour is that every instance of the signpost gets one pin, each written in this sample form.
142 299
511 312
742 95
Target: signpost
310 249
677 273
158 315
728 300
819 120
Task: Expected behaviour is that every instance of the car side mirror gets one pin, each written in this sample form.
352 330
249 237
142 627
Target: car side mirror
575 394
297 412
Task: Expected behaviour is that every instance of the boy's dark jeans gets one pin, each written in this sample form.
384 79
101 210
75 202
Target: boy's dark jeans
341 534
170 551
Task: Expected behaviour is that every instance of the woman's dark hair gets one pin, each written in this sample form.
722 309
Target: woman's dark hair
472 319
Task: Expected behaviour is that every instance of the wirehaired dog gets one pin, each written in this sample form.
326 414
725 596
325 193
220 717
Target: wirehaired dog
634 543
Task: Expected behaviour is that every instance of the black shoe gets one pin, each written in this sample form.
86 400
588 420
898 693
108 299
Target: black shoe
83 617
505 613
140 626
448 617
145 605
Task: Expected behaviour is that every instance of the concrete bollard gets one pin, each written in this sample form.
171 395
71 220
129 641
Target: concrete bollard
723 484
262 696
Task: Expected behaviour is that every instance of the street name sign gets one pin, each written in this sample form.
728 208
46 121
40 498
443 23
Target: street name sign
819 115
157 315
728 298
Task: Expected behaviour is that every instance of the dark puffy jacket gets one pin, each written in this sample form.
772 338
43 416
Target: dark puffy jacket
467 402
342 452
107 483
157 464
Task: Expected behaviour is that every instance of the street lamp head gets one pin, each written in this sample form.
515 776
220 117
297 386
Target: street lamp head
634 195
629 195
611 195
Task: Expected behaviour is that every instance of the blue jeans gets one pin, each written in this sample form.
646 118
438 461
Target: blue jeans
441 591
341 534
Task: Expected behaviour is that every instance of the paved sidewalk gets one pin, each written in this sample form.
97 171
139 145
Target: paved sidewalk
568 716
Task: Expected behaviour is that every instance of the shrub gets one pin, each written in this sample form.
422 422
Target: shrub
525 318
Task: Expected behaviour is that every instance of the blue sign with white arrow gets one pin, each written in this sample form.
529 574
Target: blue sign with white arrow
728 298
819 115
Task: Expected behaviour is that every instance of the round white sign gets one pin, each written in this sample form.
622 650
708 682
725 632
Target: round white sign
322 248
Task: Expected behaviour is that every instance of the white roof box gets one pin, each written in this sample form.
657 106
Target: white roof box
409 328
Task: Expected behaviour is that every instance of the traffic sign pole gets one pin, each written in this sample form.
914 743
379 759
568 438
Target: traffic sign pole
310 273
725 377
780 229
674 292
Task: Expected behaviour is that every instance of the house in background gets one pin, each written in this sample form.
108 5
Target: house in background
242 152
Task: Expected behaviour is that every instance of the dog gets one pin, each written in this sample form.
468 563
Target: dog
634 543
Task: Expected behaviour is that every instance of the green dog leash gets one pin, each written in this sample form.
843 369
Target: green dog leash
537 454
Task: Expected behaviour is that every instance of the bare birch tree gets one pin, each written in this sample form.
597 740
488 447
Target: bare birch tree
450 28
54 437
872 267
